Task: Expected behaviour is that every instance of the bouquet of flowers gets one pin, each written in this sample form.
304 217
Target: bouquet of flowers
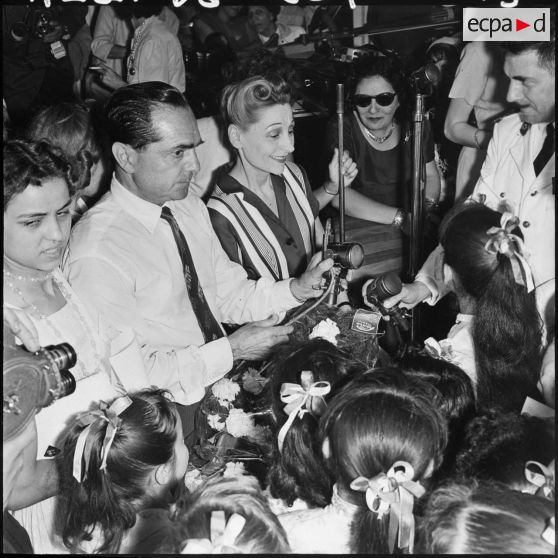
233 424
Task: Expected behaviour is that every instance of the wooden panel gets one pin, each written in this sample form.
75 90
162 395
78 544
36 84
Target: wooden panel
385 247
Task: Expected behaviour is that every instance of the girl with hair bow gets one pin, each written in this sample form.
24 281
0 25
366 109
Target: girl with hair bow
497 337
382 435
305 377
228 516
122 463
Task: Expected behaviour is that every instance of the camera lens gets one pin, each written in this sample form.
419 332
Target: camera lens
67 383
62 355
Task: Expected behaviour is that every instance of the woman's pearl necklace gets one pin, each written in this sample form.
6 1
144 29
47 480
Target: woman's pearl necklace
75 306
132 56
40 279
379 139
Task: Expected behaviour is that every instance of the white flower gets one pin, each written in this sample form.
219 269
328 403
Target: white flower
234 469
239 423
225 390
327 329
215 422
193 479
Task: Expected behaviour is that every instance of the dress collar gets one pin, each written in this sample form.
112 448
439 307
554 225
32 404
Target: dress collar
147 213
342 505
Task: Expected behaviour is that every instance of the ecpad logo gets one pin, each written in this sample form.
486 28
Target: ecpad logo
506 24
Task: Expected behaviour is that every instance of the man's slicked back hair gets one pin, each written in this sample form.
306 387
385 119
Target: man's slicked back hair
129 111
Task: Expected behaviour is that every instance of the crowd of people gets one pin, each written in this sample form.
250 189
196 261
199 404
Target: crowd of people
165 284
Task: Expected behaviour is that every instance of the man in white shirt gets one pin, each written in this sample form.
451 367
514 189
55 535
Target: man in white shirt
128 262
517 177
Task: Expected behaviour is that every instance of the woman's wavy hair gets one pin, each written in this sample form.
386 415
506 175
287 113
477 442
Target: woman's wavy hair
506 329
484 518
391 69
28 163
379 418
497 445
241 102
262 532
109 500
298 471
68 126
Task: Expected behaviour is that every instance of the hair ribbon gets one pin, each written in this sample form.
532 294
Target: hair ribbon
541 478
223 536
94 420
393 492
510 245
297 397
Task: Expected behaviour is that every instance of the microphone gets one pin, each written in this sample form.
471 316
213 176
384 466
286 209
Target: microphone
428 74
383 286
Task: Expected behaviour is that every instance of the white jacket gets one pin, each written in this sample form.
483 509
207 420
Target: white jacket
508 183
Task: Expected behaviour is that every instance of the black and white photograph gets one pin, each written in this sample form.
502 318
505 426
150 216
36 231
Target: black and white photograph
279 277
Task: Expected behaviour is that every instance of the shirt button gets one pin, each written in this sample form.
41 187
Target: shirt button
534 193
502 195
289 241
526 224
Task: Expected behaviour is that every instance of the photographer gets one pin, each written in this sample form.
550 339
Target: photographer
15 450
37 70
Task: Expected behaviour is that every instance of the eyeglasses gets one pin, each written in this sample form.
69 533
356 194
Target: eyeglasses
383 99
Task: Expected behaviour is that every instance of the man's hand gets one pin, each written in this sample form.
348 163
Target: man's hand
22 327
349 167
107 76
56 33
309 284
411 294
253 341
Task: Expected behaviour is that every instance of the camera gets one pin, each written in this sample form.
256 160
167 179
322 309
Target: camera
37 22
33 381
376 290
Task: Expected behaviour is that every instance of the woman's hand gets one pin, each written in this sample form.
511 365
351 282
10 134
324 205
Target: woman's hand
349 167
107 76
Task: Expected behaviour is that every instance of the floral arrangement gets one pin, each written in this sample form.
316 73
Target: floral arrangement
233 425
326 329
318 323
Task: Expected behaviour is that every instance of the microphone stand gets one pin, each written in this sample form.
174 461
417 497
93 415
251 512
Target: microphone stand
418 199
336 277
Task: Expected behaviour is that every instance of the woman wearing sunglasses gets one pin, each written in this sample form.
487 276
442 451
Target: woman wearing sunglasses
377 135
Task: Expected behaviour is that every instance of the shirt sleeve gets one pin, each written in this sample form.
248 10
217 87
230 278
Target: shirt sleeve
471 75
431 274
158 61
103 35
106 291
241 300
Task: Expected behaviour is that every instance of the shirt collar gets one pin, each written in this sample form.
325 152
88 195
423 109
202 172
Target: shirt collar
147 213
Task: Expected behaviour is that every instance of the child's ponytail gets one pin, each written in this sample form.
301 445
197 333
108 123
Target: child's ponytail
109 456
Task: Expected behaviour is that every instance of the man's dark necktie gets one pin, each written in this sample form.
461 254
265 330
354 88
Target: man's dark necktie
546 151
207 322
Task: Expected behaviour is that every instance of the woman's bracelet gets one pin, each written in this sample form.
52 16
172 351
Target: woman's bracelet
327 191
477 138
399 218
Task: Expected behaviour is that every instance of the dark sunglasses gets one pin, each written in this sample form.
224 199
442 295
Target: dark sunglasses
383 99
